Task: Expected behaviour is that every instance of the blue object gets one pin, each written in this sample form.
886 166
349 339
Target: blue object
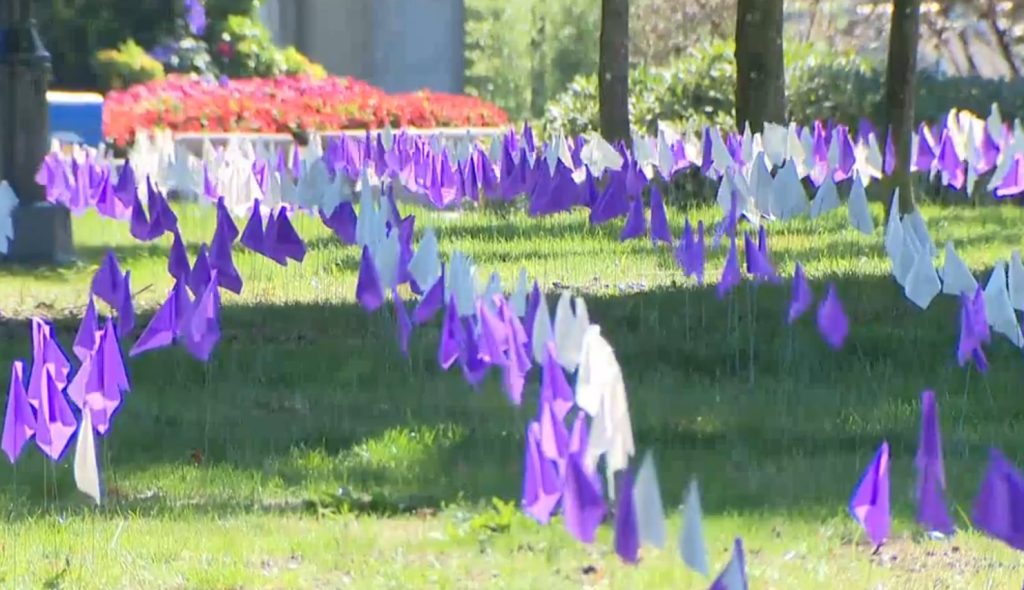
76 114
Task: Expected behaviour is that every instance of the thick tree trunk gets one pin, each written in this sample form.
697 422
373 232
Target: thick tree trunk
900 87
760 65
613 71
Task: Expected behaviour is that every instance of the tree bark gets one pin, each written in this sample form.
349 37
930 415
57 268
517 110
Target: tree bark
613 71
760 64
900 87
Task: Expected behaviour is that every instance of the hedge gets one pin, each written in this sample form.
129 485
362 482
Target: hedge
697 90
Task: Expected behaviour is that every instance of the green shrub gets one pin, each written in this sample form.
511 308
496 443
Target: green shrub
295 63
127 65
698 90
245 49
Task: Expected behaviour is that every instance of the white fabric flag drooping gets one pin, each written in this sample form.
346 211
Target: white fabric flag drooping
8 201
87 473
601 393
956 277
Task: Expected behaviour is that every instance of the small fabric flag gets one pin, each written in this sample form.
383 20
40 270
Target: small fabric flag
869 504
177 260
368 288
221 259
554 387
125 307
627 534
660 231
999 505
285 241
691 542
19 419
734 576
833 324
448 345
107 282
86 470
650 512
431 302
201 329
801 296
730 272
974 331
542 488
55 424
583 506
86 339
931 504
253 236
636 222
163 328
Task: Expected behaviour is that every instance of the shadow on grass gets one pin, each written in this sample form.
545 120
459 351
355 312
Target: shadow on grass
302 401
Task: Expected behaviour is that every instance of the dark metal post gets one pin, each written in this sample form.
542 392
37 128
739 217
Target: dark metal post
42 231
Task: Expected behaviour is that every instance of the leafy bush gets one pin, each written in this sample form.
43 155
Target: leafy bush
127 65
698 90
520 54
74 32
281 105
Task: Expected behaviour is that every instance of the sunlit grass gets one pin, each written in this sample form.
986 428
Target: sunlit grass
309 453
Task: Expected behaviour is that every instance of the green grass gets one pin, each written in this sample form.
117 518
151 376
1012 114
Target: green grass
330 461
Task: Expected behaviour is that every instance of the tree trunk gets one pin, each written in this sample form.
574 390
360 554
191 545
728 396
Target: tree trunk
1002 40
613 71
760 65
900 87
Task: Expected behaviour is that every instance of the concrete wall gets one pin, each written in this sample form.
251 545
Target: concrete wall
398 45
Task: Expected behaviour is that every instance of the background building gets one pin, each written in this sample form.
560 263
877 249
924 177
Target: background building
398 45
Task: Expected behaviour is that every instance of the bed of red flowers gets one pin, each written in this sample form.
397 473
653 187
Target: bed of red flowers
186 103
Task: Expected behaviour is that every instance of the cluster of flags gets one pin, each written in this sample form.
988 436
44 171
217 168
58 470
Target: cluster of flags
997 504
482 328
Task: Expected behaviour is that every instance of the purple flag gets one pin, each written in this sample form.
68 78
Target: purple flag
583 506
342 222
86 339
55 424
999 506
870 502
19 420
369 292
972 333
448 346
284 241
108 280
627 532
201 328
177 260
542 488
253 237
220 256
164 327
734 576
730 272
199 278
636 223
931 504
801 296
833 324
46 354
225 223
125 307
431 302
660 231
554 387
98 385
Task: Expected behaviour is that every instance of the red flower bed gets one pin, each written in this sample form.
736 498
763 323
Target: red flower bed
284 104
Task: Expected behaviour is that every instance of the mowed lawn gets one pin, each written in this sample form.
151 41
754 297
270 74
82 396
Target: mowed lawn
310 454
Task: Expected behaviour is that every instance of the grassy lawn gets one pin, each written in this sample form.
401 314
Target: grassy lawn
310 454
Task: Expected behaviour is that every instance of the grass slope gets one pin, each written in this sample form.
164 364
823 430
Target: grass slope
310 454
